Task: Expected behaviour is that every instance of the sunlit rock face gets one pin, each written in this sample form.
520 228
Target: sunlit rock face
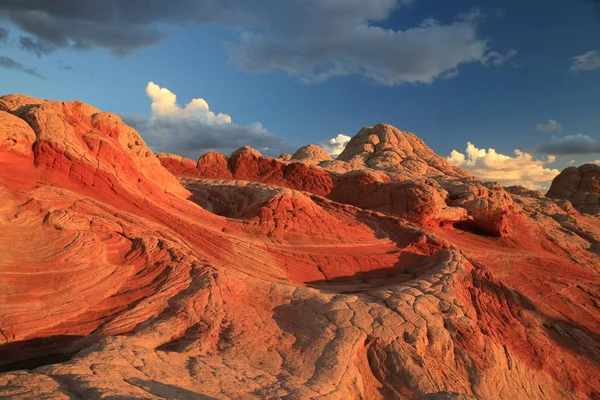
311 154
385 273
384 147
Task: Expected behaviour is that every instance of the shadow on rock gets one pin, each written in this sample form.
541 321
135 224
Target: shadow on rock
165 391
34 353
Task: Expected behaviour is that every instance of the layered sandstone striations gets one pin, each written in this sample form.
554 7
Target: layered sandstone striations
383 274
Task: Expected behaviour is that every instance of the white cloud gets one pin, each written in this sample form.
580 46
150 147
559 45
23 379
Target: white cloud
456 158
551 126
593 162
521 169
194 129
336 145
571 162
586 62
164 105
495 59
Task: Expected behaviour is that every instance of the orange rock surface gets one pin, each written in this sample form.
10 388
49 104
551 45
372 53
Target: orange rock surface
383 274
580 186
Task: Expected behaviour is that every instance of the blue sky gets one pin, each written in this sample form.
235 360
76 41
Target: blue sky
485 72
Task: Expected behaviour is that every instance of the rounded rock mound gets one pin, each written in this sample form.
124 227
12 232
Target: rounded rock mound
387 148
580 186
311 154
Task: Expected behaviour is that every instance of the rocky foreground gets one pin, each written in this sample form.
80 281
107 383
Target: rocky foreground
386 273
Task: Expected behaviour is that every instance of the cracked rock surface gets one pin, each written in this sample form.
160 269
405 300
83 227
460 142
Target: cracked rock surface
384 274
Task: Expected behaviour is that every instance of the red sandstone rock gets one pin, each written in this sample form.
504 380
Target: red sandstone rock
488 204
300 176
384 147
214 165
17 103
249 165
91 148
177 165
251 286
416 201
580 186
16 136
311 154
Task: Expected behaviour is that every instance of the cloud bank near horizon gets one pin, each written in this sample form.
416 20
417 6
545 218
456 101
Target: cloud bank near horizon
521 169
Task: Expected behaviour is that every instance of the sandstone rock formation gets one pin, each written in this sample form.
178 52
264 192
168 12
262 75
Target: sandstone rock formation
17 136
386 148
311 154
580 186
251 277
419 201
248 164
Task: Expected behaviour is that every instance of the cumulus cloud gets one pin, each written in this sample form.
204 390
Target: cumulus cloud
336 145
586 62
194 129
313 40
520 169
551 126
164 106
495 59
593 162
9 63
569 145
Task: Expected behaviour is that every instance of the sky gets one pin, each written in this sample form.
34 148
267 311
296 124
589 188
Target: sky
509 90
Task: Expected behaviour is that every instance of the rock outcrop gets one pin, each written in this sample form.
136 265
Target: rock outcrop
420 201
386 148
311 154
250 277
16 136
249 165
400 176
580 186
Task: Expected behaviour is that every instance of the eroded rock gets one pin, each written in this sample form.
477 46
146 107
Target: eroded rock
580 186
278 279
